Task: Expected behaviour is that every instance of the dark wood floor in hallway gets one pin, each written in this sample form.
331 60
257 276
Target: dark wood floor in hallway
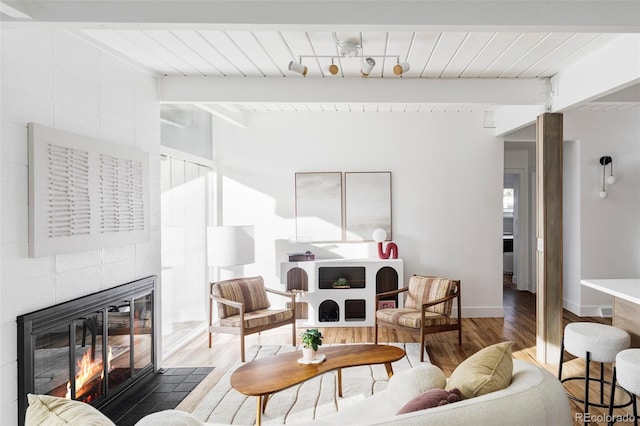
518 325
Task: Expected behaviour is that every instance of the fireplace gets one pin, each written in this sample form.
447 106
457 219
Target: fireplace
94 349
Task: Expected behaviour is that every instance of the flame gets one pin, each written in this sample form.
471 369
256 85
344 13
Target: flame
87 370
109 359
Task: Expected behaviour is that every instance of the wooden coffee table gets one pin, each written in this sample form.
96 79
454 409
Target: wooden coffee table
265 376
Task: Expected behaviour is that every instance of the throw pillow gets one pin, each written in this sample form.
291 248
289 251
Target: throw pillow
169 418
431 398
490 369
52 410
410 383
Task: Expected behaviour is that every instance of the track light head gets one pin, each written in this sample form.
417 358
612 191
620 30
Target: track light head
367 66
299 68
333 68
401 68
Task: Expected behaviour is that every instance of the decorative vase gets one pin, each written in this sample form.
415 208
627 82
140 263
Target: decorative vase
308 354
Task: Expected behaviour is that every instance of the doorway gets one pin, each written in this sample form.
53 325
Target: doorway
516 230
184 206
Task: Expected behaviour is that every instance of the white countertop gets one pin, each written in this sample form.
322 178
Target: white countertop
624 288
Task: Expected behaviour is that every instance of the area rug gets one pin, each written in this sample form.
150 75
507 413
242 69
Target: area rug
304 402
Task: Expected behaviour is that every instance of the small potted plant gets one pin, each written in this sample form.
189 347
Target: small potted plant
311 339
340 283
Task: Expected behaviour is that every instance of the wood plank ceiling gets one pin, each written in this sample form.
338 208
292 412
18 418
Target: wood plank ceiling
253 39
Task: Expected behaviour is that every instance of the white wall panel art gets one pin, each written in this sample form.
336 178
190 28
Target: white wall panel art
84 193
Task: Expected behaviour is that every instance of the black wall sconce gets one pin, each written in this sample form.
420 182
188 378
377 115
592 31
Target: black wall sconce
611 179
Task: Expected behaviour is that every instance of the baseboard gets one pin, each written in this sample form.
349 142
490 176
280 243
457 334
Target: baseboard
585 311
481 312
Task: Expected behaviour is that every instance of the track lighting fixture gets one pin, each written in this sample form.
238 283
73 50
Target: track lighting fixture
401 68
298 67
333 68
367 66
611 179
348 50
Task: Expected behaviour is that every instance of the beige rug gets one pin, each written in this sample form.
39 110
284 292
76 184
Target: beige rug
315 397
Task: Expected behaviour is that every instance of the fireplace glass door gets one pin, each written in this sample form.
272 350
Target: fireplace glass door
89 349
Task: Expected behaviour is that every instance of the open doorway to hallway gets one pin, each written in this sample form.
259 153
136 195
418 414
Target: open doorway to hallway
518 215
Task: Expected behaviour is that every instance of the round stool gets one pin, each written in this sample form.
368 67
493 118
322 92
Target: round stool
627 371
592 342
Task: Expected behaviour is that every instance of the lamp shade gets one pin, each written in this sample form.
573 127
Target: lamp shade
230 245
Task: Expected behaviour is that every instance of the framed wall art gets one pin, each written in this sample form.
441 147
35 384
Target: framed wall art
319 205
367 204
84 193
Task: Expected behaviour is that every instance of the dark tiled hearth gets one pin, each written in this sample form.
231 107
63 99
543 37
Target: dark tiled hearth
165 391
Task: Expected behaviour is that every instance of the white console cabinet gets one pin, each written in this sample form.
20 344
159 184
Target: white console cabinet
325 306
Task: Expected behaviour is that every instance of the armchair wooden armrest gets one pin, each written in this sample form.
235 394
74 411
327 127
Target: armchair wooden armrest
224 301
438 301
282 293
389 293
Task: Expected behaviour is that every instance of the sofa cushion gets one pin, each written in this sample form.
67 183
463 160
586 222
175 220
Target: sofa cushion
249 291
410 383
487 370
52 410
431 398
169 418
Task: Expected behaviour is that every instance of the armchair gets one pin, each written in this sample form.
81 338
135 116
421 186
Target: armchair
244 308
427 308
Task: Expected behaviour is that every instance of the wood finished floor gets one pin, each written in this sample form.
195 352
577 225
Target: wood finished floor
518 325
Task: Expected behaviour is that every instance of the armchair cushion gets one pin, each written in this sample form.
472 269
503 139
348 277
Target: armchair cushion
249 291
259 318
410 317
426 289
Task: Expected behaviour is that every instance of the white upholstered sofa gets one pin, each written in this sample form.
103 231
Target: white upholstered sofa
534 396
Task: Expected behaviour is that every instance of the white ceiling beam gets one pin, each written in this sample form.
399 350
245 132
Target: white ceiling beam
14 11
178 89
515 117
598 74
237 119
393 15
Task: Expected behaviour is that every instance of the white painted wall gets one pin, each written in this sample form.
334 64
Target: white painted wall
446 189
609 238
52 78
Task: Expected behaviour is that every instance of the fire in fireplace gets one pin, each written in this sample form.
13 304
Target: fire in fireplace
92 349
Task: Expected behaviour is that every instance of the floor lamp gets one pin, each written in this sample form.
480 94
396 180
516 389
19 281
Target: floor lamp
230 246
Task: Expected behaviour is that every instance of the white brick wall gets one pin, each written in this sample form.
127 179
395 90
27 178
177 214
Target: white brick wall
53 78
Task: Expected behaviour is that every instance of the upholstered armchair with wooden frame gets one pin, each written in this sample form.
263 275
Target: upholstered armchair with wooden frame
427 308
244 308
